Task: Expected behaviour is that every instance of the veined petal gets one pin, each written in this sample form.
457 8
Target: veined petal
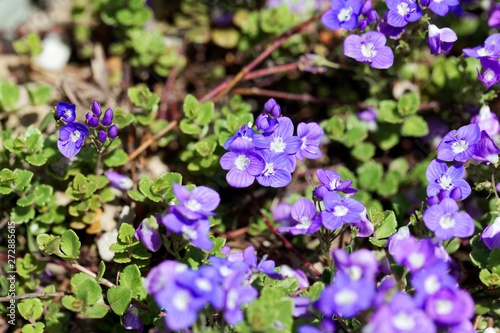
352 47
227 160
396 20
435 170
330 20
448 35
384 58
239 179
465 225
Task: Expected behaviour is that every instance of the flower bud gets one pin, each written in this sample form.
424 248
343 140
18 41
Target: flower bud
96 108
102 136
92 120
372 16
273 108
456 193
107 119
425 3
367 6
113 132
362 24
431 201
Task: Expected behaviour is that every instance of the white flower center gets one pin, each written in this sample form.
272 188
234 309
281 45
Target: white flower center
193 205
304 223
483 52
269 170
278 146
75 136
190 233
232 297
447 221
304 143
334 184
416 259
355 273
446 182
368 50
203 284
459 146
181 300
241 162
225 271
67 114
489 75
492 158
444 307
431 284
340 210
403 9
345 297
344 14
402 322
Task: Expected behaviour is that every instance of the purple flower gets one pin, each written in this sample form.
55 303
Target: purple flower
66 112
446 222
96 108
430 280
119 181
236 296
344 14
459 145
442 178
491 48
199 203
361 264
441 7
370 48
92 121
393 243
265 123
339 211
273 108
487 150
303 212
281 140
491 72
365 226
243 164
444 305
107 119
491 235
346 297
311 135
369 116
264 266
196 231
331 181
494 18
487 121
148 234
401 315
287 271
245 133
102 136
131 320
389 30
274 173
71 138
414 254
440 40
402 11
112 132
282 214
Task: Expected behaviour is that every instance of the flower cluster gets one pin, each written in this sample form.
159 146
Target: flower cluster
224 284
269 154
370 47
72 134
488 55
338 211
190 216
446 184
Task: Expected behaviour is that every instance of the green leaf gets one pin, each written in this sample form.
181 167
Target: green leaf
414 126
364 151
48 243
122 119
387 112
408 104
136 195
389 185
191 106
30 45
162 185
70 245
387 227
22 214
369 175
97 311
117 158
23 179
188 127
494 261
145 184
33 328
36 159
356 131
89 292
30 309
131 279
225 38
334 128
126 234
39 94
9 94
206 112
218 242
33 139
119 299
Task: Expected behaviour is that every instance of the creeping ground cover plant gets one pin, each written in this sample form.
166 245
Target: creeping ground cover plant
252 166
